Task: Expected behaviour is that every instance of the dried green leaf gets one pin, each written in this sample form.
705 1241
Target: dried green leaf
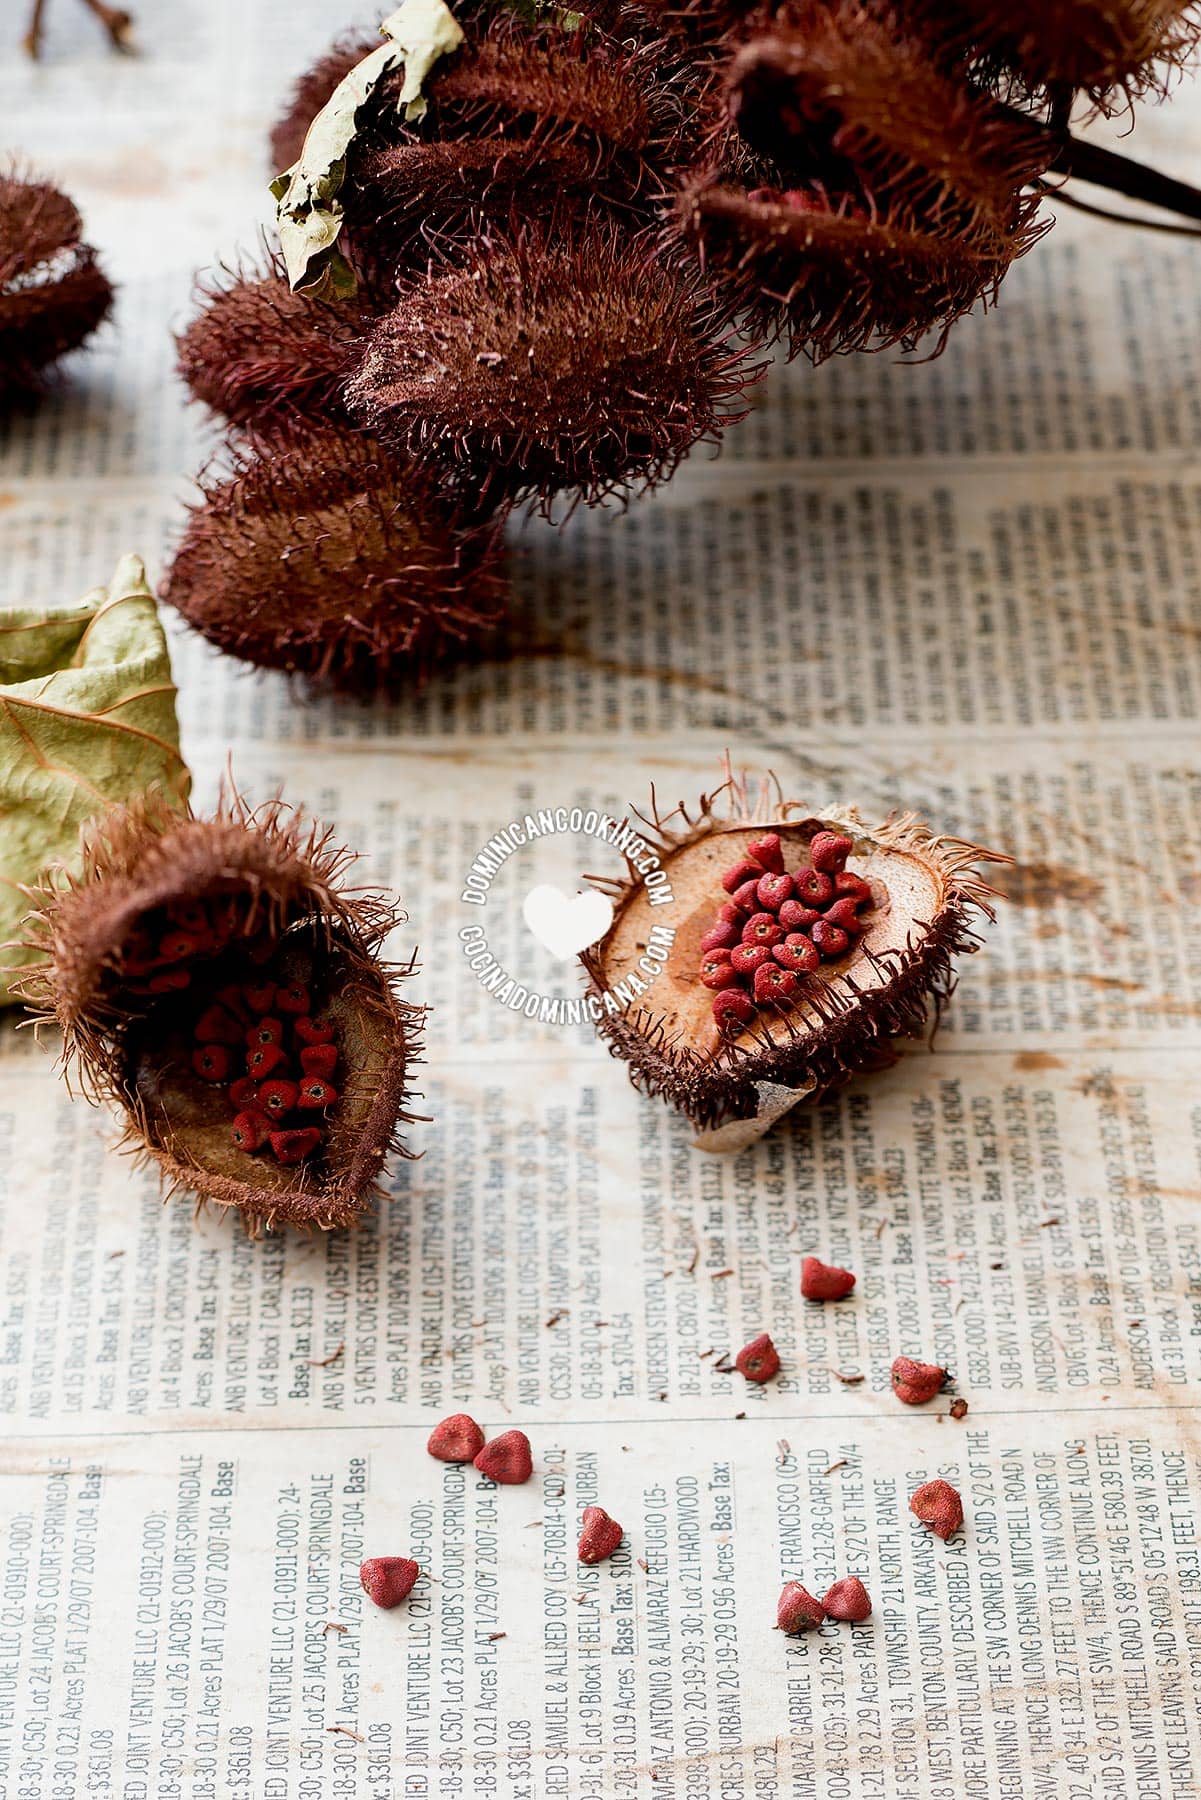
87 718
308 210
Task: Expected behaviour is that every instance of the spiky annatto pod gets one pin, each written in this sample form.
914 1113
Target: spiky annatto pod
262 356
924 890
1115 50
537 368
883 198
53 293
526 116
322 555
180 953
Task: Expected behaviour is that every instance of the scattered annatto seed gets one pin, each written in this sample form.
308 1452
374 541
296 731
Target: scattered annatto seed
599 1535
506 1459
823 1281
916 1382
733 1009
293 999
773 891
797 1609
843 915
293 1146
774 983
795 917
265 1031
175 945
243 1093
717 971
831 940
729 913
261 1061
211 1062
315 1094
319 1059
387 1580
733 878
852 887
848 1599
277 1098
216 1026
313 1031
959 1407
758 1360
828 852
746 898
457 1439
259 996
762 928
746 958
250 1131
937 1504
797 954
813 888
720 937
768 851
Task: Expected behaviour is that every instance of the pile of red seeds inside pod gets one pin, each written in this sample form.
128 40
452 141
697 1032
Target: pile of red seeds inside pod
276 1063
779 926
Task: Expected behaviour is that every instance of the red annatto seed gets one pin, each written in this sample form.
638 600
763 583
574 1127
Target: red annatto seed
769 851
852 887
795 917
759 1360
938 1505
211 1062
831 940
843 916
457 1439
797 1610
746 958
313 1031
259 995
774 983
824 1281
189 915
719 937
813 887
747 897
773 891
320 1059
797 953
717 971
171 981
762 928
732 1009
265 1031
293 1146
277 1098
262 1060
506 1459
173 946
216 1026
244 1093
387 1580
233 1000
916 1382
315 1094
250 1131
733 878
292 999
829 851
731 914
848 1599
599 1535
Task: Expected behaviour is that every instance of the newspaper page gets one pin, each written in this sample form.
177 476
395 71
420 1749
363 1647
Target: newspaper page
971 587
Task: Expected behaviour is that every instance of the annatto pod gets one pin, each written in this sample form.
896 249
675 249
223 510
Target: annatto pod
194 966
53 293
793 951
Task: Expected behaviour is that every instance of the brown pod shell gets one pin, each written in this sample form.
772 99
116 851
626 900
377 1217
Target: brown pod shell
553 365
927 892
326 557
262 356
273 885
53 293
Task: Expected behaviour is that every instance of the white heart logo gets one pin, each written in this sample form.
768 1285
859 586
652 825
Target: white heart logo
566 925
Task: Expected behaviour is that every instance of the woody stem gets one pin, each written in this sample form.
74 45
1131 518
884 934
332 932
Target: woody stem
1122 175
